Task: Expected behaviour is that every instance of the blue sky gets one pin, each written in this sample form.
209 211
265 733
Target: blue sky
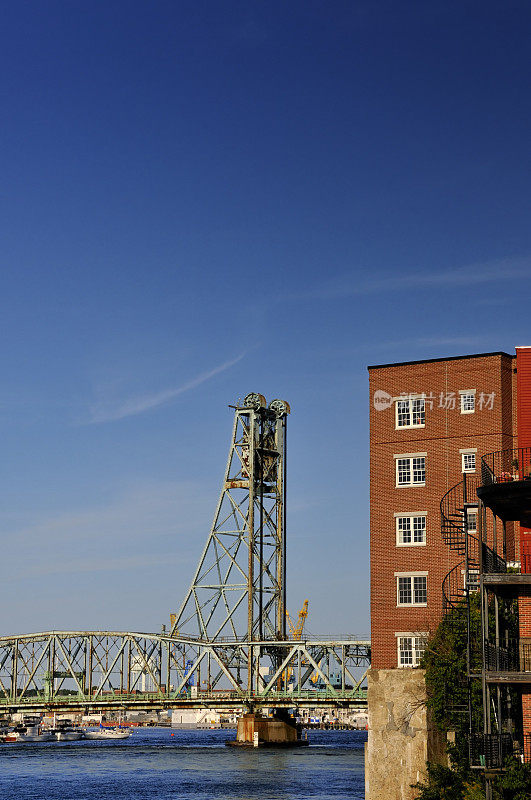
203 199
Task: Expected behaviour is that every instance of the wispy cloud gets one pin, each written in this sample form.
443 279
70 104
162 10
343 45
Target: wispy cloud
413 346
110 411
479 273
162 509
137 563
115 546
425 341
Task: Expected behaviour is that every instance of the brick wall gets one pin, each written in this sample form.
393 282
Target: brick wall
523 358
523 377
445 433
524 613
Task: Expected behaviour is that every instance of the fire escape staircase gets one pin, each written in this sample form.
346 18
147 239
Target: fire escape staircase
456 507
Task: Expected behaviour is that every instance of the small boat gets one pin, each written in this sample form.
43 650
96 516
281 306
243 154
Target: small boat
111 734
67 733
28 733
64 731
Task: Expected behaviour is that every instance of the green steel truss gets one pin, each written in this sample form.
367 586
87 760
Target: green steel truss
105 670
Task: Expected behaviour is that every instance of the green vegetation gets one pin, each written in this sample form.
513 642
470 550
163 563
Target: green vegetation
453 784
444 783
445 662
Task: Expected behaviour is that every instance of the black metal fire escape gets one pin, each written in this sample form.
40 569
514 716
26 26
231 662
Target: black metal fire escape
504 491
465 530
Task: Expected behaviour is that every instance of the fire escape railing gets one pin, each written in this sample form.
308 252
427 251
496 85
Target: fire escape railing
505 466
511 655
489 750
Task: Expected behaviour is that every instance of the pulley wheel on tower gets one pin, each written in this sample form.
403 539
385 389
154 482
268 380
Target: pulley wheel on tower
255 401
280 407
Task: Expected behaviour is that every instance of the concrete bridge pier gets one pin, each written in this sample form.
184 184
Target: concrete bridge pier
254 730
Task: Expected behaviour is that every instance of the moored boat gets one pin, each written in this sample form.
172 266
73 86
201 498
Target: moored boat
27 733
109 734
67 733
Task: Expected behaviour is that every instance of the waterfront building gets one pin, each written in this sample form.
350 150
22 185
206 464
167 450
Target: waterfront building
195 718
435 421
431 422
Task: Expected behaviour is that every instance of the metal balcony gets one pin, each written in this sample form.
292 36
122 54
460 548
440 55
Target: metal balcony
506 484
489 750
508 662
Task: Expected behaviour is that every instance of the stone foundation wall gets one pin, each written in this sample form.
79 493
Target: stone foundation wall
400 738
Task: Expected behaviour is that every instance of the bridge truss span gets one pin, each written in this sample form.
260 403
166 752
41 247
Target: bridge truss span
112 669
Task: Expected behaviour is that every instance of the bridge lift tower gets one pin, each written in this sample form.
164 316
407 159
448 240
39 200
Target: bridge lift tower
238 592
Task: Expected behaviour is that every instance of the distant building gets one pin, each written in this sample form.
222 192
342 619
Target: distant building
194 718
142 674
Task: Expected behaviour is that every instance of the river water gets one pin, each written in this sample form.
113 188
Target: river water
153 764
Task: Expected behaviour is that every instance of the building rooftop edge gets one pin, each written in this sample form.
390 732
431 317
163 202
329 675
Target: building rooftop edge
446 358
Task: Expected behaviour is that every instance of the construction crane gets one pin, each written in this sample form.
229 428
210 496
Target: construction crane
296 633
296 630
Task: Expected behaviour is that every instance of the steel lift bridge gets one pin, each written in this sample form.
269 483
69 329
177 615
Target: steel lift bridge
227 646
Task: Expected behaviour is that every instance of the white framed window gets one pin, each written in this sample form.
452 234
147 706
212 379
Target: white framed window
468 461
410 412
410 529
410 469
468 401
411 588
471 521
411 647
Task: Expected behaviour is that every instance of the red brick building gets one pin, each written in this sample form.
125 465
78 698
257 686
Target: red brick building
450 469
430 422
